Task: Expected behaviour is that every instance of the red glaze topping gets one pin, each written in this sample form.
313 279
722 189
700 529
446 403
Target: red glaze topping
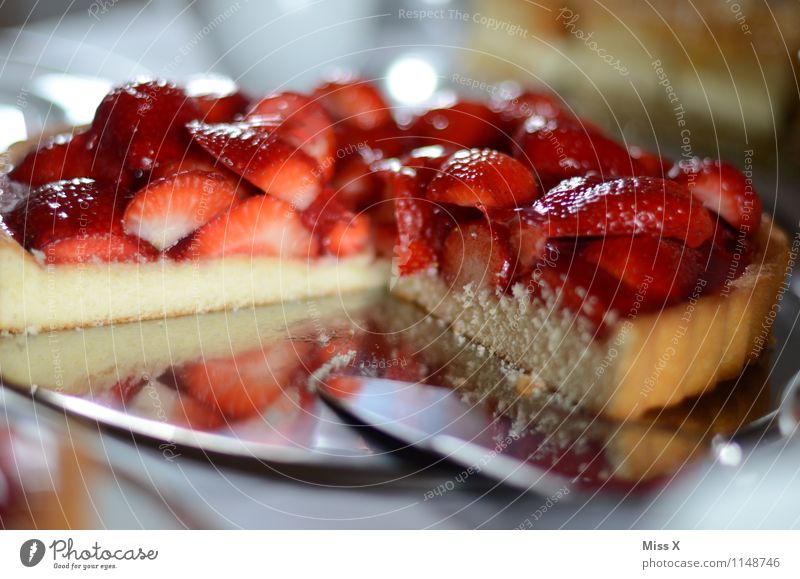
587 207
483 178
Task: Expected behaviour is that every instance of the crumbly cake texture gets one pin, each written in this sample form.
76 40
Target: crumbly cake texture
645 361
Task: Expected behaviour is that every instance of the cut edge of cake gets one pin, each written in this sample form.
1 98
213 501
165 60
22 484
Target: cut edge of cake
645 361
35 297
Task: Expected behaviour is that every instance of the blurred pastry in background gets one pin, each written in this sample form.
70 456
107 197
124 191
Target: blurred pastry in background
707 75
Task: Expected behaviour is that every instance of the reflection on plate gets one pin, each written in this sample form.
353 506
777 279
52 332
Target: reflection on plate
243 383
544 431
230 382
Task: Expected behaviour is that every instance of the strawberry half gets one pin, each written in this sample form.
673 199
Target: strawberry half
168 209
354 102
140 125
587 207
528 239
58 158
483 178
478 253
303 123
256 151
355 183
77 221
196 159
340 231
259 225
560 148
723 189
662 270
414 216
465 124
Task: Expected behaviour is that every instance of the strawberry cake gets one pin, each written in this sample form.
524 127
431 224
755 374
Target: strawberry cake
174 203
622 279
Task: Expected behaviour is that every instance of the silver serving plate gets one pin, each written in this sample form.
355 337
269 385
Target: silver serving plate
134 378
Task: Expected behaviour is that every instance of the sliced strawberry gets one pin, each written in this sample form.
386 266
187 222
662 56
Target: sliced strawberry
193 160
140 125
259 225
661 270
384 239
218 99
61 157
557 149
340 231
384 141
168 209
723 189
348 237
580 288
416 230
254 150
355 183
221 109
304 124
483 178
478 253
126 389
65 208
355 102
414 256
587 207
428 157
245 384
528 238
77 221
196 415
197 159
97 248
466 124
287 105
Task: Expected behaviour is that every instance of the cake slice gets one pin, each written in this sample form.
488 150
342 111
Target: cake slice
618 279
156 211
636 363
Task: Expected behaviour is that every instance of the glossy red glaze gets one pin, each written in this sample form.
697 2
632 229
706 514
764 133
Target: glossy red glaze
483 178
